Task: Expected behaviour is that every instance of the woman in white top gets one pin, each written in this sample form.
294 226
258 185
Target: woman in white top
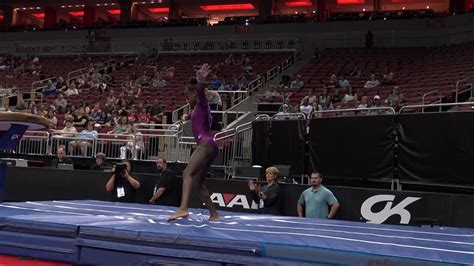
363 102
306 108
350 95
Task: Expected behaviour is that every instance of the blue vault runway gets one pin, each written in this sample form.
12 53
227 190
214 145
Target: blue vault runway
106 233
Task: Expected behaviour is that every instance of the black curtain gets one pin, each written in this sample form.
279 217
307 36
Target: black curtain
437 147
287 144
353 147
260 142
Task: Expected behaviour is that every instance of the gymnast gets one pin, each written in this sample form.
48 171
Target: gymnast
206 151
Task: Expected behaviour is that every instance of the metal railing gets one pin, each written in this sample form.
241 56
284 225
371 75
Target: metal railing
48 49
467 82
177 114
355 111
434 92
97 67
292 116
159 141
76 146
232 114
440 105
34 143
229 46
41 83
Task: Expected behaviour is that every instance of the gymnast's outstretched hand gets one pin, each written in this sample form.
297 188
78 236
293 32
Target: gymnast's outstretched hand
203 72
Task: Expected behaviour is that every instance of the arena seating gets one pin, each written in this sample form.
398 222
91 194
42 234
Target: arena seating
417 70
171 96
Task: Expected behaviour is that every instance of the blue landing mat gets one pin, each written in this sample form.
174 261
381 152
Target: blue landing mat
95 232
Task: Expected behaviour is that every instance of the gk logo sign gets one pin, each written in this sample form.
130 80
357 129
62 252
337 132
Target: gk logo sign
388 210
231 200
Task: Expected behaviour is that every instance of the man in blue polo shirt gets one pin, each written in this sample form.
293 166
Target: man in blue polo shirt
316 200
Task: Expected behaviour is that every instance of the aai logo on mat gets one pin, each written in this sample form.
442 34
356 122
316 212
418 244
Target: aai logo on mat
232 200
388 210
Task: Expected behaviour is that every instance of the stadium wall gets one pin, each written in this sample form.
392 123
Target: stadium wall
358 204
394 33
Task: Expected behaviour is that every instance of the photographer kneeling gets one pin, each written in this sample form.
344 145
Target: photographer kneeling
122 184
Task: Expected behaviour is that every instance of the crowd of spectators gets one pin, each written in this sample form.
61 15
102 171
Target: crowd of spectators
338 93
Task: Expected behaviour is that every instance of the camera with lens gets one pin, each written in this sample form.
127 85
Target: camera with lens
120 168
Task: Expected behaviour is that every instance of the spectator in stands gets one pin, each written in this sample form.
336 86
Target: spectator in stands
215 83
158 81
317 107
284 109
395 95
80 118
388 79
61 157
364 101
133 115
71 90
96 113
268 196
395 104
156 112
50 89
142 116
306 108
69 131
214 98
377 104
121 127
337 97
344 83
323 98
143 80
235 86
333 83
312 97
21 105
53 120
60 103
244 83
297 83
85 141
315 201
166 190
61 84
350 95
32 109
42 110
372 83
122 184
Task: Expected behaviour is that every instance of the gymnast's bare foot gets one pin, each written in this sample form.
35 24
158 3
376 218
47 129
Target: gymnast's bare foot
214 218
178 214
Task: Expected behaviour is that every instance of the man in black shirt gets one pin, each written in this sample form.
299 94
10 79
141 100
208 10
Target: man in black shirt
61 157
122 184
166 188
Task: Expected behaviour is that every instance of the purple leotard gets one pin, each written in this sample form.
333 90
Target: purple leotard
201 120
